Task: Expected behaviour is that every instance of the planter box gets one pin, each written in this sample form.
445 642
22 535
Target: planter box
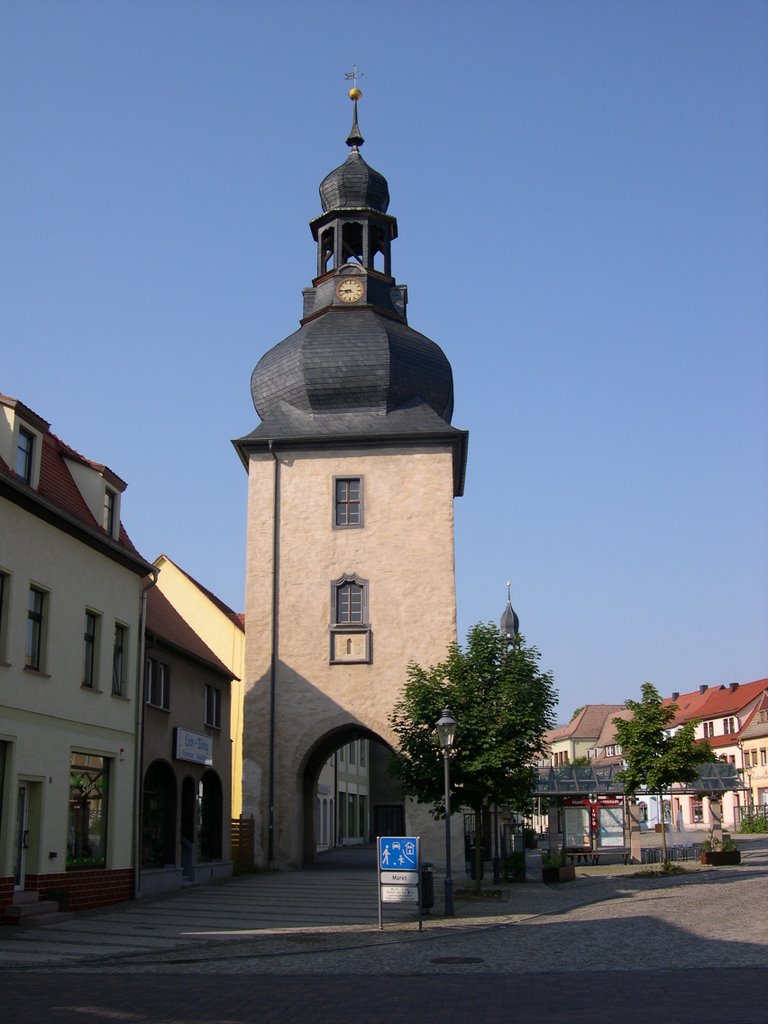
720 858
565 873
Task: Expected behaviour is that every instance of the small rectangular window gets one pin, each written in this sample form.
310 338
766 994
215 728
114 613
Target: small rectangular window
157 684
119 654
363 752
351 757
213 706
90 644
763 757
33 647
348 501
25 450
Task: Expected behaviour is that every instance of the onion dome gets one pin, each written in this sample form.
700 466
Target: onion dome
354 185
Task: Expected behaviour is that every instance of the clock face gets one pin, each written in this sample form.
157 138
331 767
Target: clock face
350 289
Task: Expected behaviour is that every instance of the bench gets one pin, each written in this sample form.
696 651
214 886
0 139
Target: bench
578 855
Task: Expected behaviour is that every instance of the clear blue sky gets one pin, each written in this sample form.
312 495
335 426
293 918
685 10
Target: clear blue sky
580 188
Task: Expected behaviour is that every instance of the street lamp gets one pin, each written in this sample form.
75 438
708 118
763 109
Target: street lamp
446 731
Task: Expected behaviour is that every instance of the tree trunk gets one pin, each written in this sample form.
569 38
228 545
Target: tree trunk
665 854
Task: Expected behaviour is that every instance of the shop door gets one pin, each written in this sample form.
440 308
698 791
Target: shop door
22 834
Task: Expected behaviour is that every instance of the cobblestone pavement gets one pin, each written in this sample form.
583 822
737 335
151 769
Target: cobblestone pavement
700 939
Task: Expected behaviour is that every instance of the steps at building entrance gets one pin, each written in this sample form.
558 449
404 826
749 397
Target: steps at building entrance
28 911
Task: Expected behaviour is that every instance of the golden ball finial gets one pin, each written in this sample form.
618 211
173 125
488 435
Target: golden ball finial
355 93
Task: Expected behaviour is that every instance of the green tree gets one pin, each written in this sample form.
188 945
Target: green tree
655 757
502 703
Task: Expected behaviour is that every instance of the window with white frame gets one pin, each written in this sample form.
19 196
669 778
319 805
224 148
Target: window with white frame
157 684
119 658
34 643
109 518
90 650
25 454
709 729
5 597
729 726
213 706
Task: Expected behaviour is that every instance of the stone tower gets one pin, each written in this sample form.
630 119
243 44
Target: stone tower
350 553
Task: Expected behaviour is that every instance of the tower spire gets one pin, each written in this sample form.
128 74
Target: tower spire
355 138
509 622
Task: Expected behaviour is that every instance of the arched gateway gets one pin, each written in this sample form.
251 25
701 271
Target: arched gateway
352 475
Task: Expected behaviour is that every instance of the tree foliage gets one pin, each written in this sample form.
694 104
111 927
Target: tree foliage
655 757
502 703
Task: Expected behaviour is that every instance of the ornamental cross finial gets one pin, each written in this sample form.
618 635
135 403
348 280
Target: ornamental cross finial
353 75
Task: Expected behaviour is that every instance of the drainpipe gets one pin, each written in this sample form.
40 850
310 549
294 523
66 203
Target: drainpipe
139 755
273 662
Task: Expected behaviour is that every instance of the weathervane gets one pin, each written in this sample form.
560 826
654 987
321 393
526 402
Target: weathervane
352 76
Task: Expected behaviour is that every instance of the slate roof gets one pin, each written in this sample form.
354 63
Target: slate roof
165 623
353 360
354 185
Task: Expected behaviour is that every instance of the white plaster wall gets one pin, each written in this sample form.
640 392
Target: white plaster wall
45 716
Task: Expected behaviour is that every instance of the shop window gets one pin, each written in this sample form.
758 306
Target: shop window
88 803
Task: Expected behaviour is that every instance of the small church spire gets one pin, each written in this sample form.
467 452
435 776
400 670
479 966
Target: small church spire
509 622
354 139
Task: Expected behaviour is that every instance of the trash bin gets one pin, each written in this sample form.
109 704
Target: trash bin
427 885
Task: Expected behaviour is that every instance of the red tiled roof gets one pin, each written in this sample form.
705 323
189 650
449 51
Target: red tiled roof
586 725
167 624
608 732
56 485
727 700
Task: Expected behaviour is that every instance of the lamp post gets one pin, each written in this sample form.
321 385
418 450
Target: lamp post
446 731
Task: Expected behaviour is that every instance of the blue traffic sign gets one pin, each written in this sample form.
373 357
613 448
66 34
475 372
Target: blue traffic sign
398 853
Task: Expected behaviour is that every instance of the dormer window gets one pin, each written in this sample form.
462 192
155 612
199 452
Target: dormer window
25 455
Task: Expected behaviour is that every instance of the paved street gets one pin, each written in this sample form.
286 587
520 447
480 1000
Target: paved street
688 948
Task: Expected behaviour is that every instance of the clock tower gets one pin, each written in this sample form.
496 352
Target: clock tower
353 471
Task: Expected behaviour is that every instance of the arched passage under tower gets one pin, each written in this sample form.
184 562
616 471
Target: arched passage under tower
348 795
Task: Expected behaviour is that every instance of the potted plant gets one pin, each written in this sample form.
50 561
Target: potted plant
554 868
719 852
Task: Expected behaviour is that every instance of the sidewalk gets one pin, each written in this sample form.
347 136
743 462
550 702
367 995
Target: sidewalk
326 922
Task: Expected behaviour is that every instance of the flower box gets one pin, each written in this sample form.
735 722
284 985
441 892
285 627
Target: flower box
565 873
720 858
